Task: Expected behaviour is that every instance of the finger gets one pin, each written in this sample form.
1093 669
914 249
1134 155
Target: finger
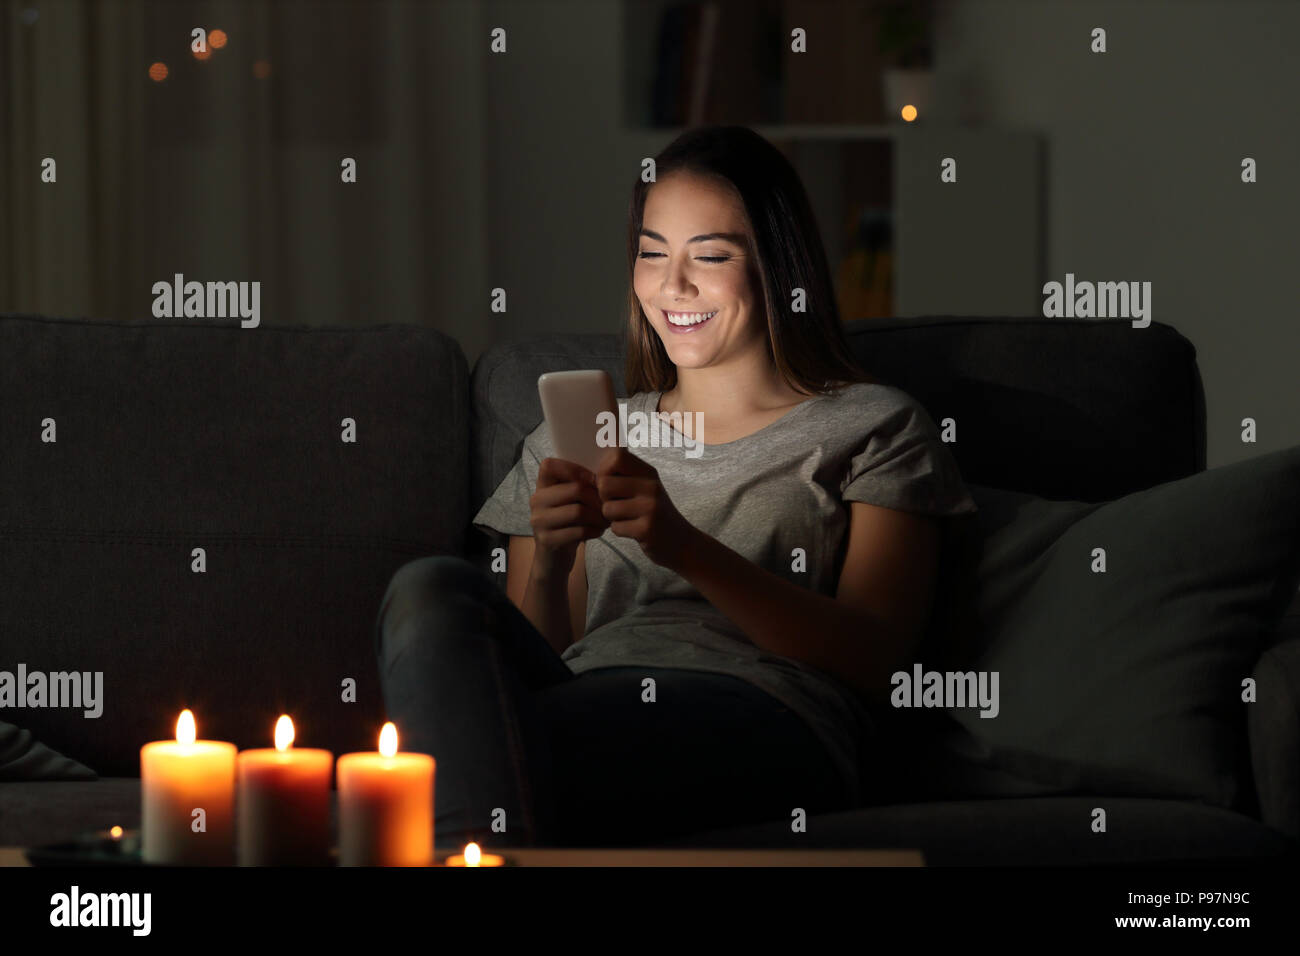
561 494
630 528
589 495
560 470
560 516
626 463
607 461
612 487
621 510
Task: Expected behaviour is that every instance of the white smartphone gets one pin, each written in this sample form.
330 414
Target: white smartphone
572 403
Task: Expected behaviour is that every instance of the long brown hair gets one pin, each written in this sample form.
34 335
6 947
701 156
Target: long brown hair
808 348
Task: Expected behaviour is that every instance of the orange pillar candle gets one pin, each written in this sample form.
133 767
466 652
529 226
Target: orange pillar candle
283 803
177 778
386 806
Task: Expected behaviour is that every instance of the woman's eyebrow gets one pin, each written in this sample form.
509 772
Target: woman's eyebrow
735 237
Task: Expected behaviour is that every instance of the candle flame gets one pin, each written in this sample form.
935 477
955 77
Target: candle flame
283 733
472 854
185 730
388 739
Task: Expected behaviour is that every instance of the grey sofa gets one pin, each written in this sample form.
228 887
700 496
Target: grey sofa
175 436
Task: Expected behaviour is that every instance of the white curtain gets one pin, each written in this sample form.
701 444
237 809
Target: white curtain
228 170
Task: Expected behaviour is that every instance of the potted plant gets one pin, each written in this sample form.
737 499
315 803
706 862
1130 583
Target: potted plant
904 33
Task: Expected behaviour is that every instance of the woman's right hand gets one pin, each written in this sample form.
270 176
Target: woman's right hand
564 511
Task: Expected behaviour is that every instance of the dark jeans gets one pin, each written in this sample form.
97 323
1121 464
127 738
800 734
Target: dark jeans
576 760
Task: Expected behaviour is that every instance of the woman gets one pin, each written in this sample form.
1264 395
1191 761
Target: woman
687 642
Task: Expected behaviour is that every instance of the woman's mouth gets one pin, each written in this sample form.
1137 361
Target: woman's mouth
688 321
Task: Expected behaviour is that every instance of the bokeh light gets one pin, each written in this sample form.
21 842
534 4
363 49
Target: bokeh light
202 54
262 69
217 39
909 112
158 72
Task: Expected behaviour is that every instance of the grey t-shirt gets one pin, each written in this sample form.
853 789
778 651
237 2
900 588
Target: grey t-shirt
781 488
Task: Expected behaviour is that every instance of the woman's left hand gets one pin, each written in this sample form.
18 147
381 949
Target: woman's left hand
637 506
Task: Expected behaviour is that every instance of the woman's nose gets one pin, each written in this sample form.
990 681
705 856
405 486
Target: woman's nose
676 279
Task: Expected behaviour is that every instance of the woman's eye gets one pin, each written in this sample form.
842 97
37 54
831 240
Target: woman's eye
647 255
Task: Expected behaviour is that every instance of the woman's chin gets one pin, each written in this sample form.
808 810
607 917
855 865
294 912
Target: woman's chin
686 357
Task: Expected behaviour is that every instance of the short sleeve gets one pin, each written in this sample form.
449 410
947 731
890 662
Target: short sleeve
902 463
507 510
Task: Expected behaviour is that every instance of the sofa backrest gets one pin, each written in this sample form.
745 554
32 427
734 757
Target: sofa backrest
1062 408
174 436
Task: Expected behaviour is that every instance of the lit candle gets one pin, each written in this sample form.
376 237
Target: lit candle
188 792
386 806
283 803
115 842
475 857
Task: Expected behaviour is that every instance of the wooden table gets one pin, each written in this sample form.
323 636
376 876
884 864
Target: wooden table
13 856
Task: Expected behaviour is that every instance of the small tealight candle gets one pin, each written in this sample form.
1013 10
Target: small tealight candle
283 803
179 778
116 842
475 857
386 806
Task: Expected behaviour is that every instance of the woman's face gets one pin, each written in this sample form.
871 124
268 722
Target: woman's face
694 260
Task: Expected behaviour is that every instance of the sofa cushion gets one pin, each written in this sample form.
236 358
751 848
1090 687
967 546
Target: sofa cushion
1275 727
1127 681
182 435
1046 406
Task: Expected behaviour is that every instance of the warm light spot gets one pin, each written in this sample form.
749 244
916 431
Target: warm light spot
216 39
283 733
472 854
115 833
185 730
202 54
388 739
262 69
157 72
909 112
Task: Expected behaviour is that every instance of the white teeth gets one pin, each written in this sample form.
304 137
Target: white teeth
689 318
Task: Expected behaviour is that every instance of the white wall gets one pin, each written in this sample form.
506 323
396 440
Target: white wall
1144 145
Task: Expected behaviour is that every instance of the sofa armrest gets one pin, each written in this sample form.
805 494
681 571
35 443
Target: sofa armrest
1274 727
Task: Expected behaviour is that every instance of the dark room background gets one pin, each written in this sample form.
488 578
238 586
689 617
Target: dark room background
479 170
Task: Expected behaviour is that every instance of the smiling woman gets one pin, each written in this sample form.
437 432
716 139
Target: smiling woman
689 641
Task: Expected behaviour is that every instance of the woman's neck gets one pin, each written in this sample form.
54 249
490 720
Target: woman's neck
729 395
